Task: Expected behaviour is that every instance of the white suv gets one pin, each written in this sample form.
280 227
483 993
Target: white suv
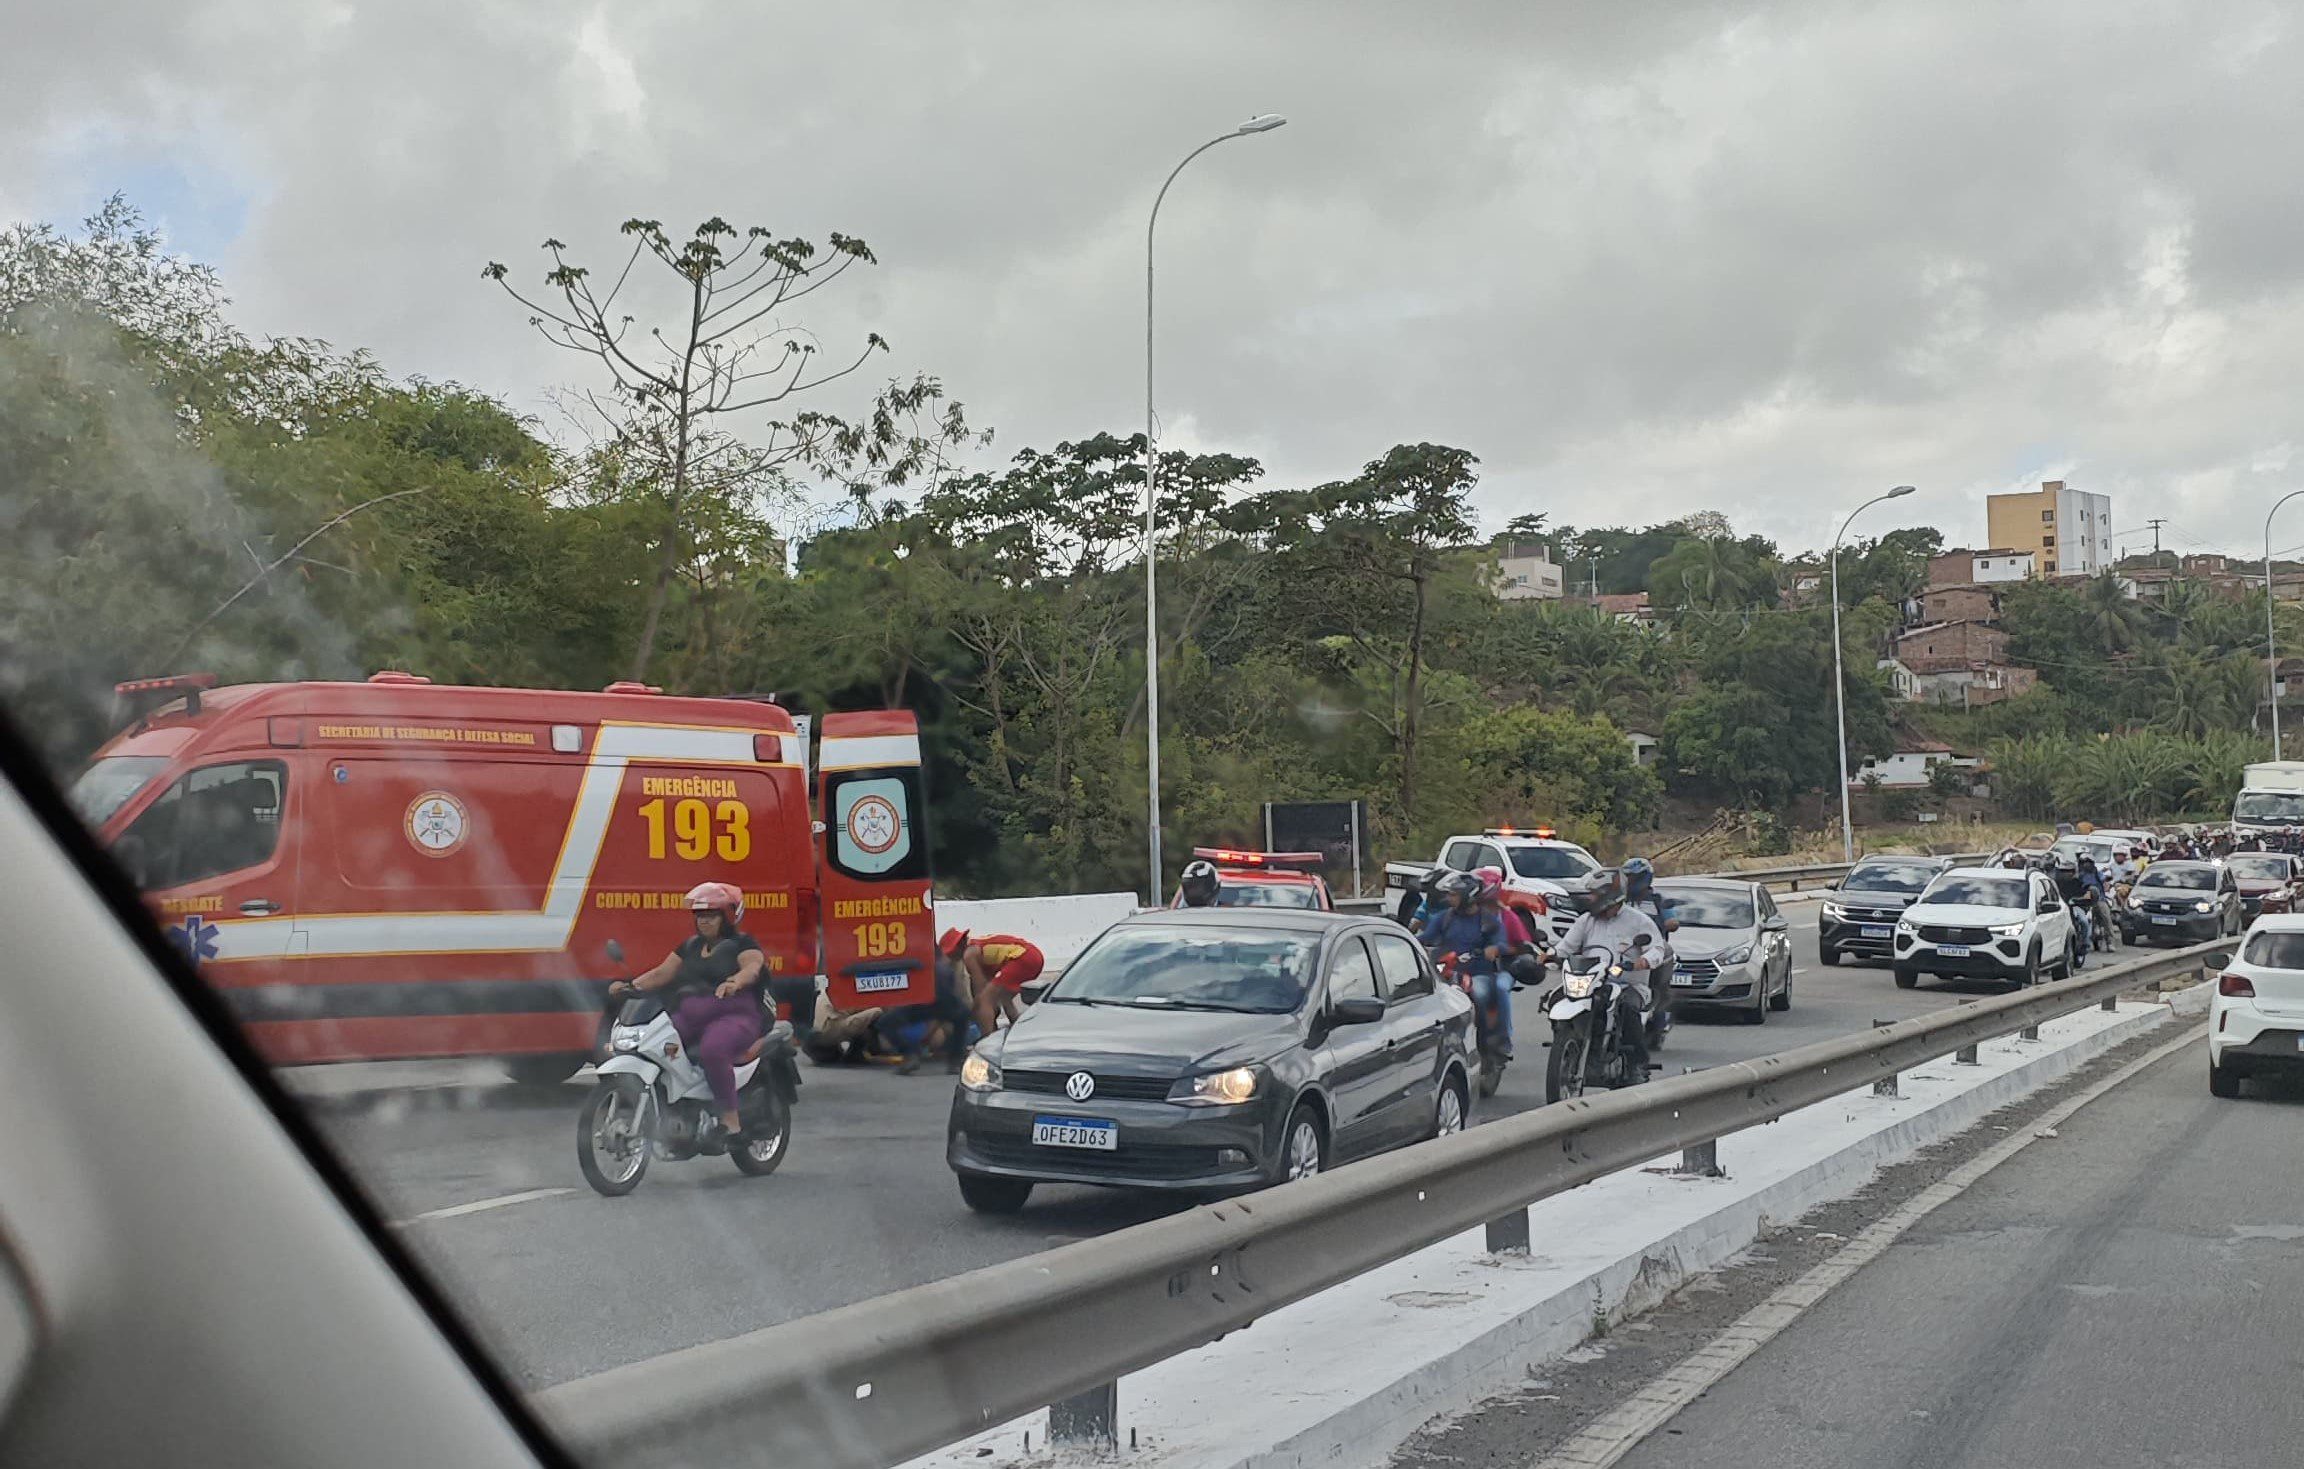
2256 1016
1986 923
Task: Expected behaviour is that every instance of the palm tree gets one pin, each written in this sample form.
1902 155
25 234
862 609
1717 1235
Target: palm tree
2111 614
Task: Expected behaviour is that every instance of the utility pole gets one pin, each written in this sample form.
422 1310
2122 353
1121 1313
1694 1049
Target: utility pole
2155 523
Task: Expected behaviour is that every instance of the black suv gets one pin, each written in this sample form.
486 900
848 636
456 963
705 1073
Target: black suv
1859 917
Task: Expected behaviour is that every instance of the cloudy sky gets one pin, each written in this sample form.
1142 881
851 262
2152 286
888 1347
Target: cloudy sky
1642 258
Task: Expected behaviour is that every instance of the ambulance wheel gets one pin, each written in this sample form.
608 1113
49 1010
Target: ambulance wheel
766 1138
543 1071
614 1134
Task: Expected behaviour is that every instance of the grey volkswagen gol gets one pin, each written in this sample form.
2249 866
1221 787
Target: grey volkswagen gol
1214 1049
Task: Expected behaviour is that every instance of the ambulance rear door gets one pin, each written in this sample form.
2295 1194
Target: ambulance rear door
879 920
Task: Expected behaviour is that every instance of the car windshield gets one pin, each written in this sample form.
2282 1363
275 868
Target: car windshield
1552 862
1977 890
2098 852
1249 892
1887 877
1191 967
1705 908
2279 807
2195 878
2275 948
112 782
2259 866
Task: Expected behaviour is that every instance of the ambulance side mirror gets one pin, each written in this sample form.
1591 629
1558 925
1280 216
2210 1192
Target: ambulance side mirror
615 952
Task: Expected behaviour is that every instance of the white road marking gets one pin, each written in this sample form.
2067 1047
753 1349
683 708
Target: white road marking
481 1206
1610 1437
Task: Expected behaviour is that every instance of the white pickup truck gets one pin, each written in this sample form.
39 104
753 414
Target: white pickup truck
1536 865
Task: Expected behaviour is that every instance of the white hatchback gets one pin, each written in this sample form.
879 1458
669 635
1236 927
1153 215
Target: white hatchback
2256 1016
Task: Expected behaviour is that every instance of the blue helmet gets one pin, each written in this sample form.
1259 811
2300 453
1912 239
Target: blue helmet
1639 876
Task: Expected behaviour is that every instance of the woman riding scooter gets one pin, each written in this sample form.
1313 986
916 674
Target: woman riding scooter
714 1003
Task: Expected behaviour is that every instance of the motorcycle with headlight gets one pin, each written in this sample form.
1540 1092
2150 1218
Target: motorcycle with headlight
650 1100
1587 1051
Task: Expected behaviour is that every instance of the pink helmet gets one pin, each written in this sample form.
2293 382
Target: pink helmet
722 897
1491 880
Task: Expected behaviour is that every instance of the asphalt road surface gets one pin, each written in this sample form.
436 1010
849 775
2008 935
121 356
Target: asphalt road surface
2125 1294
566 1283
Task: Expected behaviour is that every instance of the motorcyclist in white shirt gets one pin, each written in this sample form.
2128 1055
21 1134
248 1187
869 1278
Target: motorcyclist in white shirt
1607 924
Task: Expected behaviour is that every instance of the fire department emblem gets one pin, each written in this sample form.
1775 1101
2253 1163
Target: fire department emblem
873 824
435 824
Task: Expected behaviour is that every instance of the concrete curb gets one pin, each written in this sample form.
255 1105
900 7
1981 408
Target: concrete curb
1367 1432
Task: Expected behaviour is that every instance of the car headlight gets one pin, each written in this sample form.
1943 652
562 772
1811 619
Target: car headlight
1218 1088
1906 925
2007 930
1736 955
979 1075
1834 910
625 1038
2202 906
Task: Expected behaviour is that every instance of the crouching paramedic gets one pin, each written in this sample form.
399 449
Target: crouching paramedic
998 966
712 980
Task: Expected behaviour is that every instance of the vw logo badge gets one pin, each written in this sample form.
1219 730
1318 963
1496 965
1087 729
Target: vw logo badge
1079 1086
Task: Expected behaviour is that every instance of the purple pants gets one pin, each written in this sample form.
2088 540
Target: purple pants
717 1032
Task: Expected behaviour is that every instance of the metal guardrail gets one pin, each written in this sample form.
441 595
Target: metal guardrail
880 1381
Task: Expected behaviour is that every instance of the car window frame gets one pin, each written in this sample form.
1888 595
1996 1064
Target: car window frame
1351 942
177 792
1425 985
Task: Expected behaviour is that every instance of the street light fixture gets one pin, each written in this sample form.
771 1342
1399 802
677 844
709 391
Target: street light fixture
1839 680
2271 633
1263 122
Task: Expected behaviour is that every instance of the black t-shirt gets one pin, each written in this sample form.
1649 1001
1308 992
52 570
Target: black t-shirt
703 970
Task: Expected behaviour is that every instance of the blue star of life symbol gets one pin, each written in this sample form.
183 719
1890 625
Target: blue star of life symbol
195 938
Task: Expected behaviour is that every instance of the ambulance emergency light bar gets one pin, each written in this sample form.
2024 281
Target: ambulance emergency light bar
1291 861
187 684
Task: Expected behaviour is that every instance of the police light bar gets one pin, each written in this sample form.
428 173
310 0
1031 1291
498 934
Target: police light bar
1541 833
1295 861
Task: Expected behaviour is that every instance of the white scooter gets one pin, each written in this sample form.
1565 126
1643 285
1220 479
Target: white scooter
651 1101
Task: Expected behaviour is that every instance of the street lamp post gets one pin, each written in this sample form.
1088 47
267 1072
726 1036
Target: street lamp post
2271 632
1839 679
1261 123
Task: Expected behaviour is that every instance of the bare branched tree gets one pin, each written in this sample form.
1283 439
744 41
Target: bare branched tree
675 385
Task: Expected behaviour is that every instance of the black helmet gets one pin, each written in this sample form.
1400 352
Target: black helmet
1462 886
1200 884
1606 894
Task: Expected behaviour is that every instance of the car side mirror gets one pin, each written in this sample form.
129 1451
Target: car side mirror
1776 923
1031 991
1359 1010
615 952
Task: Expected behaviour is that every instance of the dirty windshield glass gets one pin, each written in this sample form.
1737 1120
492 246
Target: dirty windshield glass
638 611
1191 967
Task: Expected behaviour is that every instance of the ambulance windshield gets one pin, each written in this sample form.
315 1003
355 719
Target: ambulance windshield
112 782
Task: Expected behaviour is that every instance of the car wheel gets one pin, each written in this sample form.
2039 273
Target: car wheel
988 1195
1758 1014
2223 1081
1303 1146
1782 999
1907 978
2031 975
1448 1113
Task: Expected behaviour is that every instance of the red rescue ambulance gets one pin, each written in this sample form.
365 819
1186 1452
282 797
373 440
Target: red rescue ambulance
398 869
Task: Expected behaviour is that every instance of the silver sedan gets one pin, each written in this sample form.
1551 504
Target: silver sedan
1731 948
